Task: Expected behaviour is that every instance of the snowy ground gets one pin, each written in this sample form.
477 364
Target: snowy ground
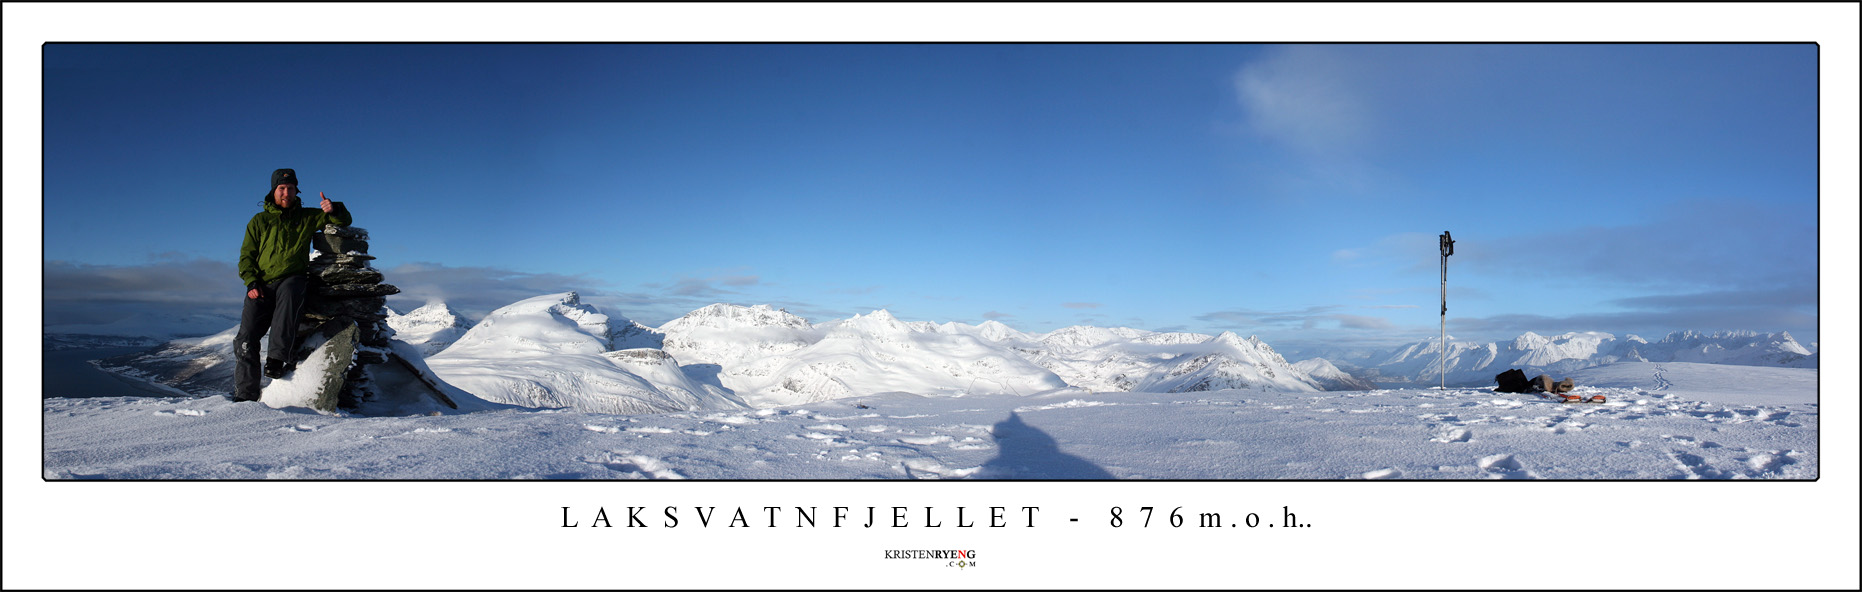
1667 425
1662 421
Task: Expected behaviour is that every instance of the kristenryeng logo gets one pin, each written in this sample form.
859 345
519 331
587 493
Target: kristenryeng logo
952 557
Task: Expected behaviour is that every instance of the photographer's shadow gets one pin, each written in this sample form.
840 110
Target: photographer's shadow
1025 452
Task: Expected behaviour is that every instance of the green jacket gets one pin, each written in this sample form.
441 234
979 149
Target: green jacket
277 241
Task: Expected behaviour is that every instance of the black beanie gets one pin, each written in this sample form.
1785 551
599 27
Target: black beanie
283 177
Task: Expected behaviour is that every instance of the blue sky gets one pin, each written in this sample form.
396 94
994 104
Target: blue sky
1288 191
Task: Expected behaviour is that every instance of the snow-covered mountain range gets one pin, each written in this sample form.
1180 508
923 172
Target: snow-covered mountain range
555 351
1473 364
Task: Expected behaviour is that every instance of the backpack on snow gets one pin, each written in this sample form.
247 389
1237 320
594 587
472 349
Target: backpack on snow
1512 381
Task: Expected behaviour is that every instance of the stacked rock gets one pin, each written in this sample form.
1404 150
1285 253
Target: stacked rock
344 286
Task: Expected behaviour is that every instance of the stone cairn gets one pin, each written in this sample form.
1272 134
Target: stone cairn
344 287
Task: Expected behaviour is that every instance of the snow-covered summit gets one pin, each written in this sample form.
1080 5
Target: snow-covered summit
730 335
731 316
990 330
1079 337
1229 362
431 328
1252 345
1537 351
878 325
548 324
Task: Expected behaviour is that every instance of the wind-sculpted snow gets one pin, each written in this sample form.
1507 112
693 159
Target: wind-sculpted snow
1708 422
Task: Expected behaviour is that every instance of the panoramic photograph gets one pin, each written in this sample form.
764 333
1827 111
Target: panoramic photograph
931 261
883 296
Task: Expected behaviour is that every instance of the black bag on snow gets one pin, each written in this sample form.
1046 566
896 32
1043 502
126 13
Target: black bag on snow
1511 381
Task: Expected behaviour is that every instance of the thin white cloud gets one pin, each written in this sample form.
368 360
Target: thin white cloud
1309 98
1362 322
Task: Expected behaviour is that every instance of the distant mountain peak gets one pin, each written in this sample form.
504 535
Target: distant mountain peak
431 328
879 323
732 316
552 323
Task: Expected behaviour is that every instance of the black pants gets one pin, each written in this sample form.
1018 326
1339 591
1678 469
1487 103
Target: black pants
277 308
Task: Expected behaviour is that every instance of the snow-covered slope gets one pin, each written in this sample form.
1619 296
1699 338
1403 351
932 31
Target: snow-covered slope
1645 434
1725 384
555 351
1663 421
430 328
1329 377
548 324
